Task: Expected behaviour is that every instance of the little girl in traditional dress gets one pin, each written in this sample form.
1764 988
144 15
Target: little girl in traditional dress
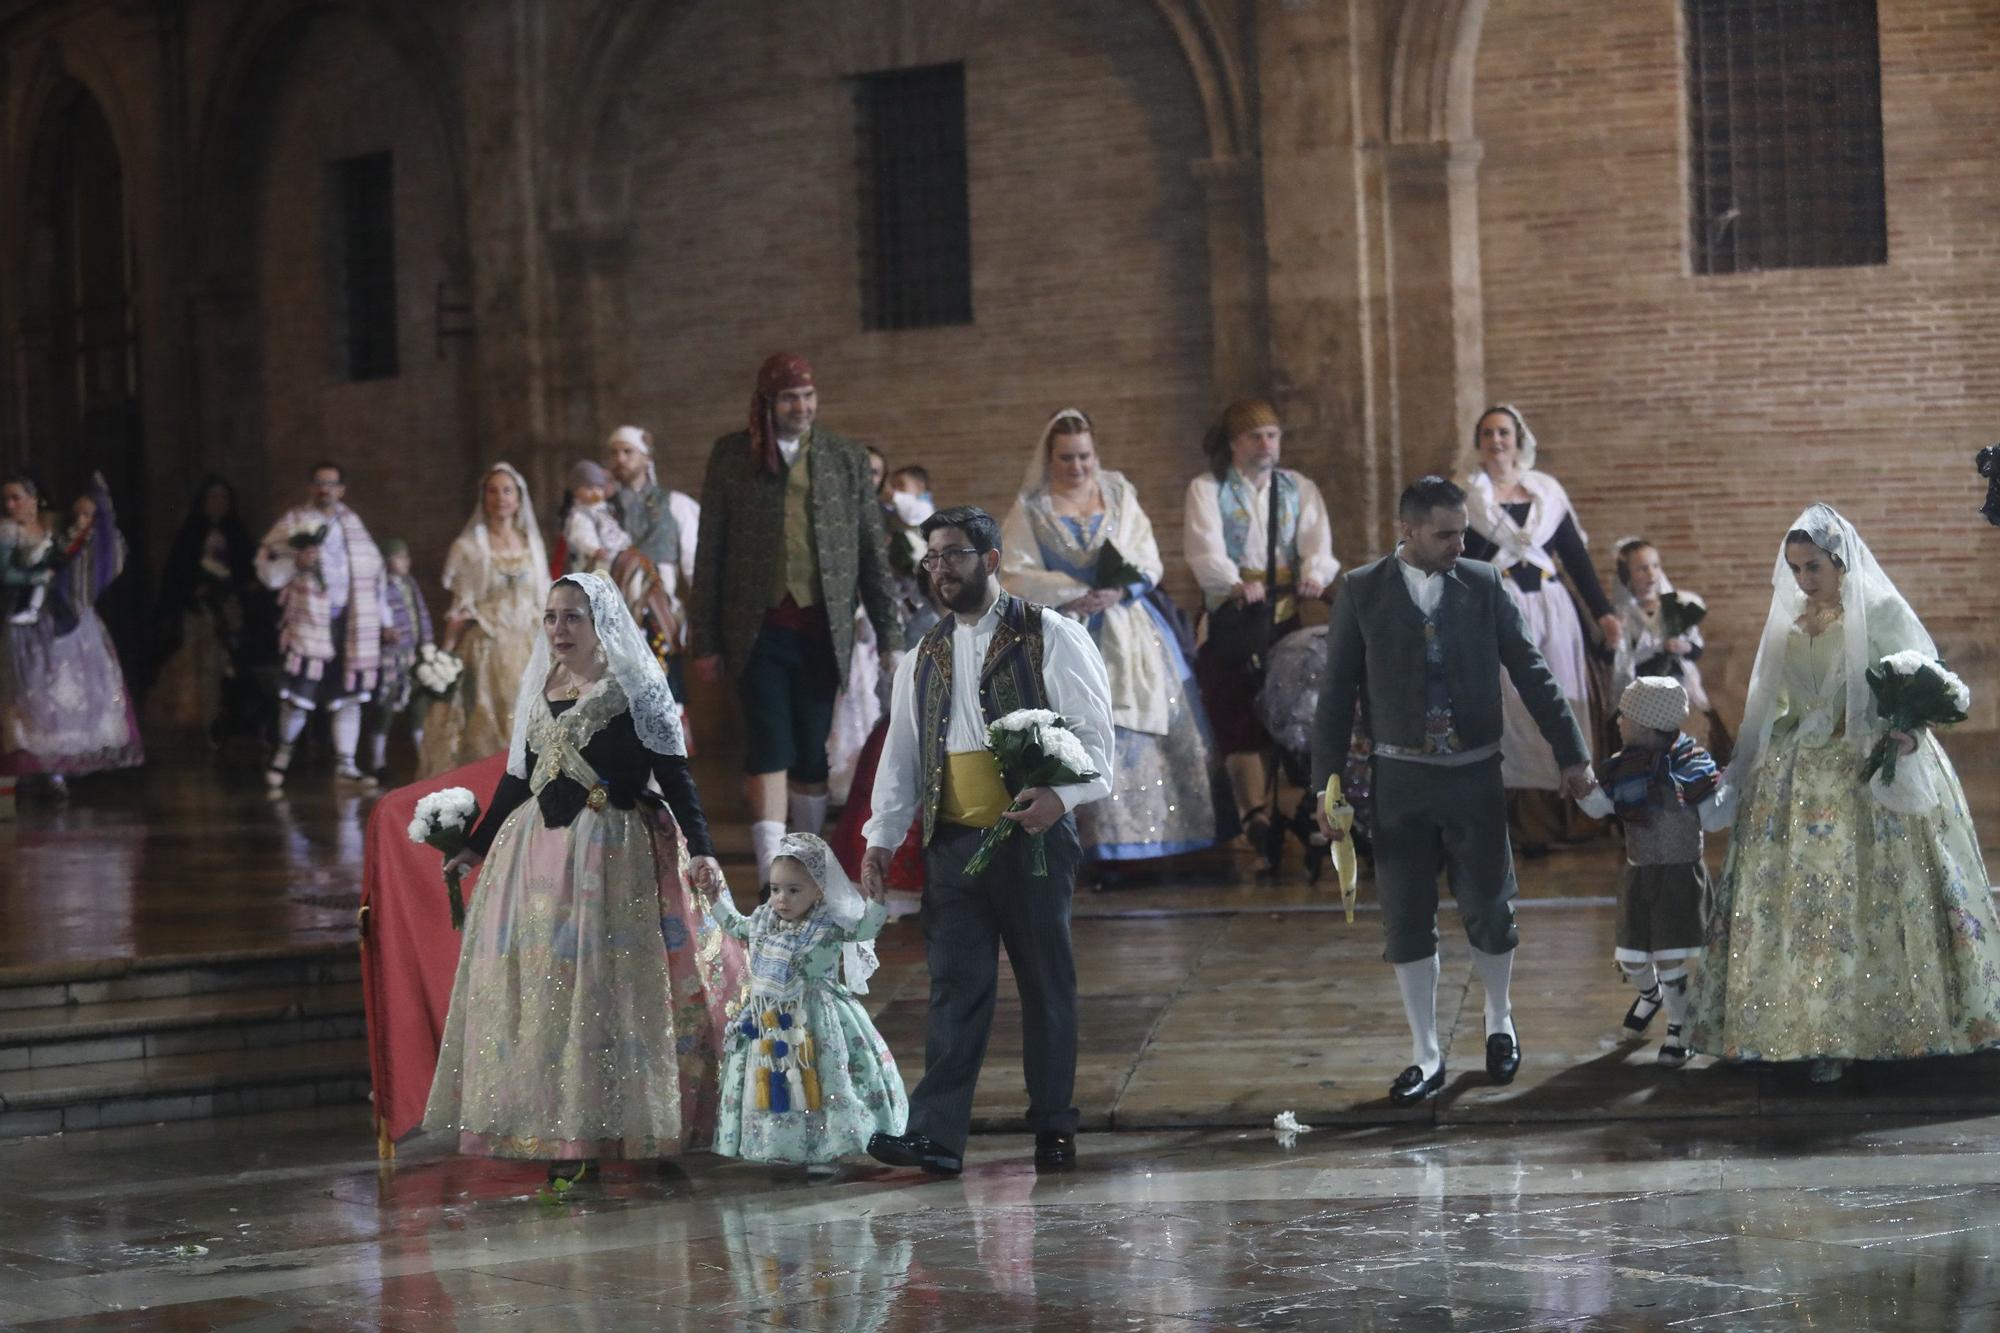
1662 786
807 1079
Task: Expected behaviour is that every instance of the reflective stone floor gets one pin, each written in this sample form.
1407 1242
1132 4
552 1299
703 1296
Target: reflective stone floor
286 1222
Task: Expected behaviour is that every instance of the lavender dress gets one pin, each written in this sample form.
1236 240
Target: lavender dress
64 708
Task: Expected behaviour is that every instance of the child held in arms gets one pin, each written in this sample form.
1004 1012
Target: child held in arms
592 534
1662 786
807 1078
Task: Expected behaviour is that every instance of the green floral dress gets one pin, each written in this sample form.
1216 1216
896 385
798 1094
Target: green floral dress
1842 929
806 1078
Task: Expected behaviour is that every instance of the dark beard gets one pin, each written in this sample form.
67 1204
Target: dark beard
971 595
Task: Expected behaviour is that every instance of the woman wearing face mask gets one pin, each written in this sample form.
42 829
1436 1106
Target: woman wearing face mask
1522 521
588 1011
497 574
1069 514
64 706
1853 919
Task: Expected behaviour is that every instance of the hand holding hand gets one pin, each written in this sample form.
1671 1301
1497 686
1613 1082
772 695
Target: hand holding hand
874 873
1041 811
706 872
1577 781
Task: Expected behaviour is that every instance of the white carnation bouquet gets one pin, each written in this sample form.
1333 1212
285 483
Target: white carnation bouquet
1035 748
1912 692
445 820
437 672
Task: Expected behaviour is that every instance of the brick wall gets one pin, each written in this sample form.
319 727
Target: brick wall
400 438
1706 412
1089 260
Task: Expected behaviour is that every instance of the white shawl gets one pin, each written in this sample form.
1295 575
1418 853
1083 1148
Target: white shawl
1523 542
1135 659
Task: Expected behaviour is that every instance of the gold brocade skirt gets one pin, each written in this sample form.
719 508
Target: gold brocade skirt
592 997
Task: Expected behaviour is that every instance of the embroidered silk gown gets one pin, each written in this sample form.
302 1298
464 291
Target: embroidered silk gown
503 596
589 1008
1843 929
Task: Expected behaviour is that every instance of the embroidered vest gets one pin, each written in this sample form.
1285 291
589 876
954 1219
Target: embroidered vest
1440 727
800 575
1009 680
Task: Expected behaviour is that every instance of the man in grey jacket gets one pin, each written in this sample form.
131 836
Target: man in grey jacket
1420 638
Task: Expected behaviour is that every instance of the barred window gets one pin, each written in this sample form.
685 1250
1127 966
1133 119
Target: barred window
362 266
916 225
1784 134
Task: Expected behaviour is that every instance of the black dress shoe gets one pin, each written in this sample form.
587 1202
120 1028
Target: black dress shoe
915 1150
1412 1087
1055 1150
1503 1057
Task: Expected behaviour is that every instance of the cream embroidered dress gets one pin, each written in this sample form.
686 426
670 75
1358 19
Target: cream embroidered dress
1842 928
500 596
807 1078
588 1013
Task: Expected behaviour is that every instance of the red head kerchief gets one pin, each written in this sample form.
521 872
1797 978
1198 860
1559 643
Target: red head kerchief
780 371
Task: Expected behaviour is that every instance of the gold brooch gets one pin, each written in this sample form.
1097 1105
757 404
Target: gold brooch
598 798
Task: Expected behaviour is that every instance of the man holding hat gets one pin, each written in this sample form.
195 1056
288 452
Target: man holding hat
1421 638
791 538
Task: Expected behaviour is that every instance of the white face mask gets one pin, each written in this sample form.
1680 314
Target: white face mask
912 509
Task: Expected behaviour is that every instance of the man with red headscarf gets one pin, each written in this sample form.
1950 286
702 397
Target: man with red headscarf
791 539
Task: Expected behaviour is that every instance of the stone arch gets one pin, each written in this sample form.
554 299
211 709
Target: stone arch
1436 46
617 36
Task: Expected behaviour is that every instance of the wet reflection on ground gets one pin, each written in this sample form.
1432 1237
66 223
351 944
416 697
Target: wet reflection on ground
286 1222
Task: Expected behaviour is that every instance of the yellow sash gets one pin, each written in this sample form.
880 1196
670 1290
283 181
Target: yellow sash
974 792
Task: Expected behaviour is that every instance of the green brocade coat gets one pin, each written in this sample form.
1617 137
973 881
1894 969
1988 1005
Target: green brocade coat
741 552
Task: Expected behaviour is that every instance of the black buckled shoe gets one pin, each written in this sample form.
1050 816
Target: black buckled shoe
1644 1006
1055 1151
1412 1087
1503 1057
915 1150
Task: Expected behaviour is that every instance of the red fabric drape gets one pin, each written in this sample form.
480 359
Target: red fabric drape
906 869
409 952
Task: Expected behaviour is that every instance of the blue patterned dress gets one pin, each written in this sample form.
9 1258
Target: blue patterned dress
1170 796
806 1077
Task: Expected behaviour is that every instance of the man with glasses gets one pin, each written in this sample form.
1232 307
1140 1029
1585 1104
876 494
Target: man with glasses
791 537
333 594
994 654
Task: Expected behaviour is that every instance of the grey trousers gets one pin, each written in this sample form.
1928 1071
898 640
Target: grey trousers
1430 817
965 922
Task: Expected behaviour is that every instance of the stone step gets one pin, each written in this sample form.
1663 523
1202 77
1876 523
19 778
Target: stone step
229 1020
194 1086
118 980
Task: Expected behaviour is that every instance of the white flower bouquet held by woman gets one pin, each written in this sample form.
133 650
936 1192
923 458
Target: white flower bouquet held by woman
1035 748
437 672
1912 692
445 820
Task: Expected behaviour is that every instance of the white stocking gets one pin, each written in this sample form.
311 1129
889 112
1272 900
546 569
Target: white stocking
807 814
292 721
1674 990
765 836
346 733
1419 983
1496 974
